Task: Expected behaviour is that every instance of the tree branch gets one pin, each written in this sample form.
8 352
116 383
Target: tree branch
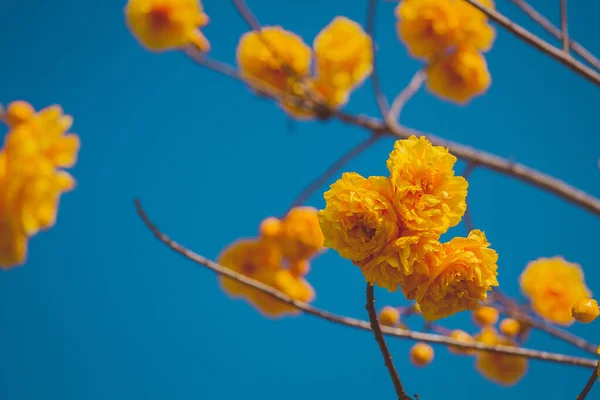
375 83
335 167
538 43
355 323
385 352
588 386
554 31
564 25
405 95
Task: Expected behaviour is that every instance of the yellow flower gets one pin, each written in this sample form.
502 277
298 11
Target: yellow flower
425 192
503 369
462 337
585 310
553 285
17 112
510 327
389 316
485 315
405 262
430 28
299 106
358 219
421 354
161 25
261 261
466 273
459 76
275 59
343 54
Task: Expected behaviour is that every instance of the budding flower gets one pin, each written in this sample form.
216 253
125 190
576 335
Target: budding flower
300 267
389 316
462 337
510 327
270 227
485 316
585 310
421 354
18 112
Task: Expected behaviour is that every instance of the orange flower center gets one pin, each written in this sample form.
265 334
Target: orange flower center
160 16
248 269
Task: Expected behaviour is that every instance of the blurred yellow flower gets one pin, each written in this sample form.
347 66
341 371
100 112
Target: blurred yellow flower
510 327
425 192
462 337
358 219
585 310
459 76
474 30
299 105
503 369
274 59
261 261
343 54
421 354
485 315
30 182
466 273
553 286
161 25
389 316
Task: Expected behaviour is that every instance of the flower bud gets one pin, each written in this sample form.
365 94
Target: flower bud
485 316
270 227
389 316
585 310
510 327
421 354
18 112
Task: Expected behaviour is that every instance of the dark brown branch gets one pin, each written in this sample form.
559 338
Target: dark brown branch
511 309
355 323
385 352
490 161
375 83
538 43
556 32
588 386
335 167
564 25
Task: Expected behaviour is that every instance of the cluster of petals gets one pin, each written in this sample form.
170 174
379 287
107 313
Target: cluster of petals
503 369
280 63
450 36
36 148
390 228
279 257
553 286
162 25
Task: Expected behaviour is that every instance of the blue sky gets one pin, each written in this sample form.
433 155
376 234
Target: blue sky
103 311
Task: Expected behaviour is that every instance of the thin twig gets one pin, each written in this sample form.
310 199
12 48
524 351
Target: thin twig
564 25
556 32
405 95
469 154
335 167
588 386
355 323
514 311
375 83
385 352
248 16
538 43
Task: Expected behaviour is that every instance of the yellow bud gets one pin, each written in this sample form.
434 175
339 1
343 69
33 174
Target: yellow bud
421 354
462 337
485 316
18 112
270 227
510 327
389 316
585 310
417 308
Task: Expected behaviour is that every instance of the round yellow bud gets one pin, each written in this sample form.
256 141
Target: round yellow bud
270 227
300 267
18 112
389 316
485 316
585 310
510 327
421 354
462 337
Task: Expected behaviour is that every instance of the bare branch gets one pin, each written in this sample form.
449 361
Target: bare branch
538 43
588 386
355 323
335 167
564 25
405 95
375 83
385 352
554 31
248 16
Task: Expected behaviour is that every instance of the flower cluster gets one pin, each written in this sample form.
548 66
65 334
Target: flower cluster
390 228
553 286
161 25
279 257
278 62
450 36
36 147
